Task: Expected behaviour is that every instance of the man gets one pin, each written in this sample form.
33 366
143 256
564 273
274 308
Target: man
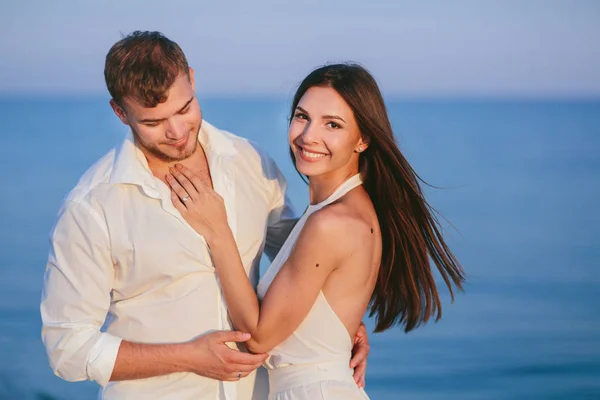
130 298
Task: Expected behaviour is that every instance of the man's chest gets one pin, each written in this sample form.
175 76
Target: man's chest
151 242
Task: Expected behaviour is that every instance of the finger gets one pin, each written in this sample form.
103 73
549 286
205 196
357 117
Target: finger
185 182
239 357
178 189
361 334
245 368
196 181
177 202
230 336
235 377
360 355
359 373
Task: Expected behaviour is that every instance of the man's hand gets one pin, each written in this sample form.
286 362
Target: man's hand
209 356
360 352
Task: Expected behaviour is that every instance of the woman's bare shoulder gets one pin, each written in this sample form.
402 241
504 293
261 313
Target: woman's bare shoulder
340 227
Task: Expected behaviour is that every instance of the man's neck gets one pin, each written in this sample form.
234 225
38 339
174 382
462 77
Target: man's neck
197 163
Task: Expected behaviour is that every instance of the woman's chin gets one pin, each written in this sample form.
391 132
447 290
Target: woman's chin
306 170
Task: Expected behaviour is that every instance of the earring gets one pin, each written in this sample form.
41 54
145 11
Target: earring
360 148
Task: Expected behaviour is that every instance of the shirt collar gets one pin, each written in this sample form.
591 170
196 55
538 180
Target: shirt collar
131 167
216 141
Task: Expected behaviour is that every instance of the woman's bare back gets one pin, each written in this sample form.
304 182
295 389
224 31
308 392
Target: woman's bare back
349 287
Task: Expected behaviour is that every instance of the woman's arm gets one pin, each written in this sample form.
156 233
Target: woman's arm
293 292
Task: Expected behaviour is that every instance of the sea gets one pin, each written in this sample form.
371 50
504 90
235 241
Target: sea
517 186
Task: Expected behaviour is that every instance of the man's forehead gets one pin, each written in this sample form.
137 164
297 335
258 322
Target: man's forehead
175 97
162 110
138 107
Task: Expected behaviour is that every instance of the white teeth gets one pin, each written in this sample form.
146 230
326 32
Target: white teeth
312 155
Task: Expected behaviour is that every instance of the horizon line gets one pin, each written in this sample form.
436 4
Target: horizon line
591 97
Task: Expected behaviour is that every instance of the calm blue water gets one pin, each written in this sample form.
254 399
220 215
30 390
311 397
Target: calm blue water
521 184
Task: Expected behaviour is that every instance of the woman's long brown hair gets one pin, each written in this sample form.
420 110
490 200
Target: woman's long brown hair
405 292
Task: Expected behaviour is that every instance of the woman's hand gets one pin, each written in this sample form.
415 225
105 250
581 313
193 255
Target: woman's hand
199 204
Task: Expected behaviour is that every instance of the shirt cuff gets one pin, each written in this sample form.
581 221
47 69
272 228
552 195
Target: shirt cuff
103 356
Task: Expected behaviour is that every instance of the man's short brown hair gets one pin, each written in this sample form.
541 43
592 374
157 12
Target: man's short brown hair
143 66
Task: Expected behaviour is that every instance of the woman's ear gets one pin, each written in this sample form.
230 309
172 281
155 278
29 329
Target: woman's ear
362 145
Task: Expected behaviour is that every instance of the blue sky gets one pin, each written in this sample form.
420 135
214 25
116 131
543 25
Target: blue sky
436 48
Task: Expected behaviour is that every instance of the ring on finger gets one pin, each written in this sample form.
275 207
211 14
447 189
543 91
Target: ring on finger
185 198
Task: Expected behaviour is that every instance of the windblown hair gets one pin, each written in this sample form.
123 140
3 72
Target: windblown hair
405 293
143 66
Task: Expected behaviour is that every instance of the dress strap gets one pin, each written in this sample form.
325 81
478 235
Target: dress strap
344 188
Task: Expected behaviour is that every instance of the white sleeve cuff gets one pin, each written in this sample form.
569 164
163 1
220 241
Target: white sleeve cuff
102 358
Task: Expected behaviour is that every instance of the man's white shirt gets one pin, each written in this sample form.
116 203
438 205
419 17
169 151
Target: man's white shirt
124 264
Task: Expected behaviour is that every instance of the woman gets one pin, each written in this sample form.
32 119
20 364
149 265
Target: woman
365 241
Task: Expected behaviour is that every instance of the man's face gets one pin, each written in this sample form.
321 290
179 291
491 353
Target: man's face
168 132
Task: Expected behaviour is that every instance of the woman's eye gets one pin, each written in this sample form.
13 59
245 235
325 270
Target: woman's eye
300 116
333 125
184 111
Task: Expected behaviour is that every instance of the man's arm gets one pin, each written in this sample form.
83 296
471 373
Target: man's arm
207 355
76 297
282 216
75 301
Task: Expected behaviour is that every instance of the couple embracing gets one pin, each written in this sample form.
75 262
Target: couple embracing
152 288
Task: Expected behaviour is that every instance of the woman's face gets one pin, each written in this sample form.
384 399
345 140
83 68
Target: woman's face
323 134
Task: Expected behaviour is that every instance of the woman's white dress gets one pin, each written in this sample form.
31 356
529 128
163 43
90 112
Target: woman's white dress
313 363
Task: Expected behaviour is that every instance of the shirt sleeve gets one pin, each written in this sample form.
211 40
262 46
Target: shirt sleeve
76 296
282 216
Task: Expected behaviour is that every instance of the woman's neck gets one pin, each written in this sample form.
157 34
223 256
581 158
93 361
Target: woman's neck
322 186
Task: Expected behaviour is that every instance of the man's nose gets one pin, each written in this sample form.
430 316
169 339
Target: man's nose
175 128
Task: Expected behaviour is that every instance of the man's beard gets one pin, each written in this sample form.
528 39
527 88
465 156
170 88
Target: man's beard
168 158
